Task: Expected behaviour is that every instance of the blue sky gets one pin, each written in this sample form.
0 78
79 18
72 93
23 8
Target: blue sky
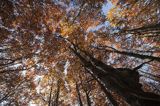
106 7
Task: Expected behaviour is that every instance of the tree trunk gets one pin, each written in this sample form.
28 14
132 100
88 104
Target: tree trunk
50 95
56 101
136 55
79 95
88 99
113 80
107 93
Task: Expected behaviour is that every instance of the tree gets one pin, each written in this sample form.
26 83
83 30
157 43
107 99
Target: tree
107 73
67 52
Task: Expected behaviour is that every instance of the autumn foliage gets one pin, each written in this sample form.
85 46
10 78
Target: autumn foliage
79 52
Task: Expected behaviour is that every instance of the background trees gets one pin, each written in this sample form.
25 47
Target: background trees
42 43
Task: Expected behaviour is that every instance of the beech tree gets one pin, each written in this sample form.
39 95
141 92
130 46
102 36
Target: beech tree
79 52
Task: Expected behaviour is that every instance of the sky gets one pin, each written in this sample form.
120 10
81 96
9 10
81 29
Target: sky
105 9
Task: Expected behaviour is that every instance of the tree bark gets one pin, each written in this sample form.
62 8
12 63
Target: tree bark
107 93
136 55
50 95
56 101
78 94
113 80
88 99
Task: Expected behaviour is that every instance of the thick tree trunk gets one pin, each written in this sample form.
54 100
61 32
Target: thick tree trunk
107 93
115 81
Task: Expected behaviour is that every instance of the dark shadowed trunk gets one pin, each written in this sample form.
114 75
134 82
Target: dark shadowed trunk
126 86
108 94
